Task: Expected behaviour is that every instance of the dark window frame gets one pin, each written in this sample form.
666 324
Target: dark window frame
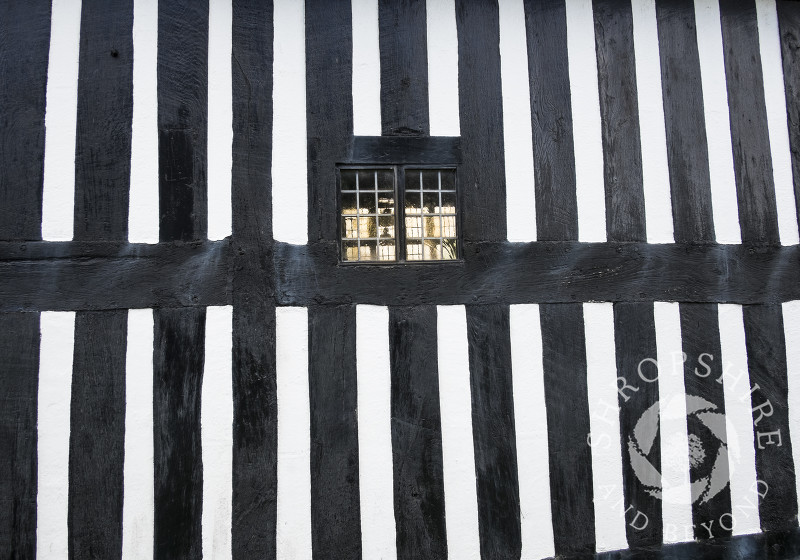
399 170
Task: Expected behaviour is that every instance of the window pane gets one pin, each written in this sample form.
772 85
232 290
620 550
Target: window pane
412 203
350 251
413 227
430 202
448 203
367 227
432 226
348 180
448 226
366 180
448 180
386 248
430 180
366 203
369 251
386 226
414 251
349 226
349 205
431 250
386 180
449 249
412 180
385 203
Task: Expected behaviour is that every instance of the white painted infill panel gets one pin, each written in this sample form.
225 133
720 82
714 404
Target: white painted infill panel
55 389
724 203
601 378
138 513
289 153
655 169
216 433
791 329
442 39
375 467
220 117
738 421
675 481
294 434
530 420
517 133
144 208
458 452
58 195
366 69
775 97
589 176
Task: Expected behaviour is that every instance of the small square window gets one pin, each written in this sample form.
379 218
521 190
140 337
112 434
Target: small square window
374 228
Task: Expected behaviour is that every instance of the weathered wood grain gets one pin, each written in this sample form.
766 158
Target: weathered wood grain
105 113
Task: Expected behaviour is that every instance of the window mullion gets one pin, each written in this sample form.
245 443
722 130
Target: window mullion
400 213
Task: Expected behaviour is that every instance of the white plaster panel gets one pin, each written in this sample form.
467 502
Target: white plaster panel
58 196
138 507
718 130
220 117
55 389
289 153
586 121
294 434
530 420
366 69
375 467
738 421
655 170
517 133
442 38
601 378
676 486
144 208
216 429
458 452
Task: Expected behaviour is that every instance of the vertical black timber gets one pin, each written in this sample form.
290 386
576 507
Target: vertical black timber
634 341
619 113
335 500
255 422
416 434
182 119
752 159
766 363
481 176
178 359
329 108
24 53
701 375
551 121
571 489
789 26
494 436
684 120
403 40
19 384
105 113
97 435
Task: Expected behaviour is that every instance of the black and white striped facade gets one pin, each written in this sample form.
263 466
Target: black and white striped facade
612 368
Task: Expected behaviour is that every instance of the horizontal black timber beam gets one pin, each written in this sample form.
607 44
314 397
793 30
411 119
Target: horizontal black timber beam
546 272
427 150
78 276
772 545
